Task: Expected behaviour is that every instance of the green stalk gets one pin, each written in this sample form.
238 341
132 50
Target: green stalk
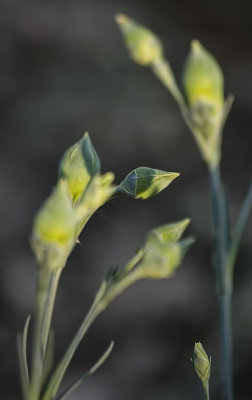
57 377
103 298
45 296
206 391
223 278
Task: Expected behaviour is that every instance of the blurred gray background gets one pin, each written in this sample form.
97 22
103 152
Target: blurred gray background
64 71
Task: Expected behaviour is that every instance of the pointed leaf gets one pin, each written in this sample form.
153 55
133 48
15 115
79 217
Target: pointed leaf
49 356
22 368
92 370
239 228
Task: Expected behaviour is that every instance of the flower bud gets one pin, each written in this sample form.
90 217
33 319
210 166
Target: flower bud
54 228
98 192
203 84
202 363
167 233
162 259
143 45
79 163
144 182
203 78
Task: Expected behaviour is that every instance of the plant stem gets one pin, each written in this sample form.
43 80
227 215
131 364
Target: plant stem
223 278
45 296
56 379
225 309
206 391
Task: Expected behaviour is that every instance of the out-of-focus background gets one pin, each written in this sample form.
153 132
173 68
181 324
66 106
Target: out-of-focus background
64 71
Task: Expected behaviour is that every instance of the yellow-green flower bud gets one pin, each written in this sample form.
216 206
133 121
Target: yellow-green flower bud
202 363
78 165
54 228
99 191
167 233
203 78
143 45
161 260
203 84
144 182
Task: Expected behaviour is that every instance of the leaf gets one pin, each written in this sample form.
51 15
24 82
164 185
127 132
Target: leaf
49 356
22 358
92 370
239 228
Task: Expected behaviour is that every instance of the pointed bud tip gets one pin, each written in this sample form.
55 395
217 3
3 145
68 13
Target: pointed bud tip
196 46
121 18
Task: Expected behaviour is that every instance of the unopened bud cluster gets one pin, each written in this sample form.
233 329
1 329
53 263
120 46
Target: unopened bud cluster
204 107
79 192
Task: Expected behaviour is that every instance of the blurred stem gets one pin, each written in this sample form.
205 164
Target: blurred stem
45 297
223 278
58 375
162 69
206 391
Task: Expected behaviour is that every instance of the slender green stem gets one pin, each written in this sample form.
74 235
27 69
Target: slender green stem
223 278
225 307
206 391
45 297
46 324
56 379
43 285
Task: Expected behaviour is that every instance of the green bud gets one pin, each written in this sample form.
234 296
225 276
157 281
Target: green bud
203 78
167 233
144 182
143 45
54 228
78 165
162 259
98 192
203 84
202 363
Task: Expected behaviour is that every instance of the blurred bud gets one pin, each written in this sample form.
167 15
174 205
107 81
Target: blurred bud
143 45
203 78
167 233
98 192
54 228
202 363
79 163
161 260
203 84
144 182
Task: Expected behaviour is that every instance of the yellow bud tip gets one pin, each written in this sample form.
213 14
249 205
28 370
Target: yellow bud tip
186 221
196 46
121 18
86 135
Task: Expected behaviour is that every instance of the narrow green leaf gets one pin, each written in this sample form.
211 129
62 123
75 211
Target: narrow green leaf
49 356
24 345
22 368
92 370
239 228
